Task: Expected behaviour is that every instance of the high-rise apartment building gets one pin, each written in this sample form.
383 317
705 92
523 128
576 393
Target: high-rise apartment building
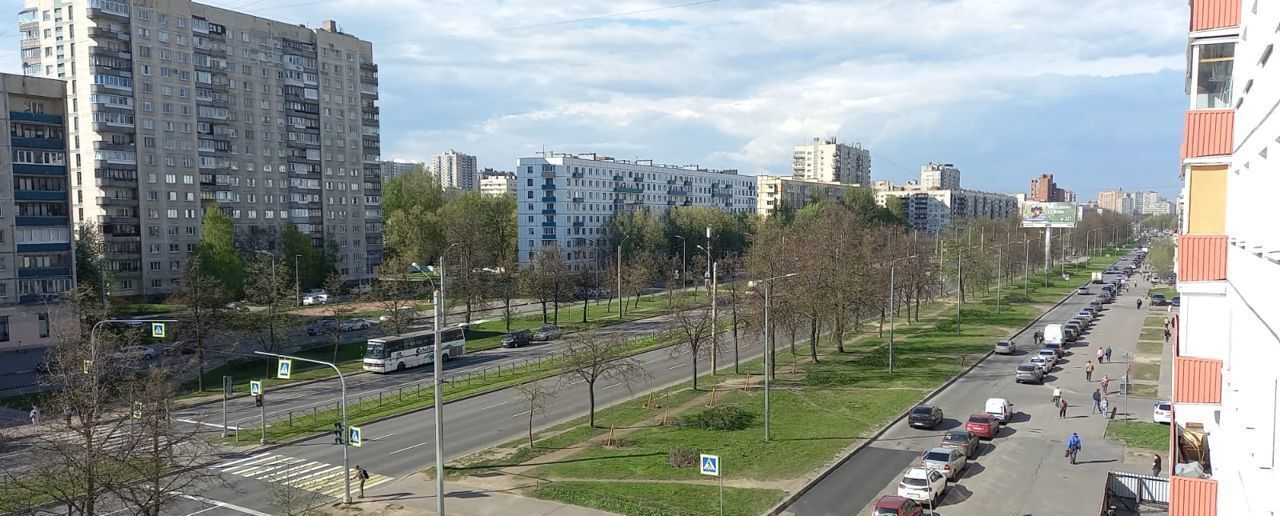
1225 449
832 162
456 170
393 169
36 260
565 201
775 192
939 176
497 183
176 106
931 211
1111 200
1043 189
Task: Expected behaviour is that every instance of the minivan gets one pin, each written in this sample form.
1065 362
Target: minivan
1053 333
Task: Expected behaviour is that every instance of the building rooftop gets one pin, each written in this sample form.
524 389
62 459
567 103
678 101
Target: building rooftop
591 156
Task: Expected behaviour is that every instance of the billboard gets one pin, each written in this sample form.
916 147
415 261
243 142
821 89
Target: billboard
1037 214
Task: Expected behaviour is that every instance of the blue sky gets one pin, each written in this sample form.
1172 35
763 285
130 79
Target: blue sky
1090 90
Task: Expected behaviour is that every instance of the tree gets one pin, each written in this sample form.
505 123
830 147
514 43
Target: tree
268 285
409 205
339 311
217 252
591 356
694 328
92 279
536 396
202 299
1160 256
506 287
312 263
545 278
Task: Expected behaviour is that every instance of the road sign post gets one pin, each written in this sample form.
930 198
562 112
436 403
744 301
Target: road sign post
137 410
355 436
710 465
255 388
157 330
87 364
284 368
226 394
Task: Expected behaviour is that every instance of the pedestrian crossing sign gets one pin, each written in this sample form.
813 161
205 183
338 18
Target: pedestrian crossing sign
255 387
284 368
137 410
157 330
87 364
355 436
709 464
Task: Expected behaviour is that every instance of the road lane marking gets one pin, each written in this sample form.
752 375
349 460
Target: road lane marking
234 462
675 366
611 386
380 437
649 362
495 405
225 505
521 414
407 449
215 425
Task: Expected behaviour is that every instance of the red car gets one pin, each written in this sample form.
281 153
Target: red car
897 506
983 425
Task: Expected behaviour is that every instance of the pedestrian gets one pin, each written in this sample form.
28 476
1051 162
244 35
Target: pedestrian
1108 354
1100 354
1167 334
361 475
1062 408
1057 394
1166 324
1088 371
1039 337
66 415
1097 402
1139 303
1105 404
257 400
35 416
1106 384
1155 465
1073 446
337 432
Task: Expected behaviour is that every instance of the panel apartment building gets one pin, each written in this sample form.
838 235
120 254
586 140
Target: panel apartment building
176 106
567 200
832 162
35 229
937 199
1225 436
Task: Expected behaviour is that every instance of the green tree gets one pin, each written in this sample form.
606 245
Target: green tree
409 205
203 299
313 266
91 275
217 252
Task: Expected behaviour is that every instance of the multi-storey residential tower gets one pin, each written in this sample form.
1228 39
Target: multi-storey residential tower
931 211
566 200
176 106
939 176
456 170
393 169
832 162
35 237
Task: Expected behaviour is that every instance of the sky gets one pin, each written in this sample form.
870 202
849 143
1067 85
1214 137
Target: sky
1088 90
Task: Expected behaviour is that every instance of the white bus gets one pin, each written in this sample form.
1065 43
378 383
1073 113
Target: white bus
400 352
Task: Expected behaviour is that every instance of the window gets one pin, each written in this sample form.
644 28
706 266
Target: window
1213 75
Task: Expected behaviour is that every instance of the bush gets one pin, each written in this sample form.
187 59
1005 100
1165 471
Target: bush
681 457
727 417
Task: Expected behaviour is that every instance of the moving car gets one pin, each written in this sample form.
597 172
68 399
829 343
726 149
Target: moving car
315 297
548 332
354 324
517 338
1159 300
1029 372
406 312
323 327
1162 412
134 353
922 485
982 425
239 306
962 440
999 409
924 416
949 461
1082 290
889 505
1006 347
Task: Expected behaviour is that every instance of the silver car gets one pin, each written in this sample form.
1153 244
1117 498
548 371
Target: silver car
548 332
1006 347
1029 373
948 461
1050 358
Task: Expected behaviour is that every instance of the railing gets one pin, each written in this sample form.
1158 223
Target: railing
1128 492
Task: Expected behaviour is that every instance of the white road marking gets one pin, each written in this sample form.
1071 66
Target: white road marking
649 362
225 505
494 405
215 425
380 437
210 508
611 386
521 414
409 448
675 366
234 462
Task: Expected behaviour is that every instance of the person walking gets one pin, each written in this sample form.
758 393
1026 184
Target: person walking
1155 465
1108 353
1166 323
1104 405
1062 408
1097 402
1057 394
1088 371
361 475
1106 384
1167 334
35 416
1073 446
1139 303
1101 353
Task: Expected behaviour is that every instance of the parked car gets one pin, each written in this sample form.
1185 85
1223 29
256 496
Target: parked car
548 332
315 298
1073 326
354 324
922 485
962 440
982 425
1030 373
1057 349
1176 301
1085 314
1159 300
1006 347
1070 334
1000 409
322 328
1041 362
1096 305
406 312
1082 290
924 416
239 306
134 353
1053 333
1050 358
518 338
949 461
1162 412
889 505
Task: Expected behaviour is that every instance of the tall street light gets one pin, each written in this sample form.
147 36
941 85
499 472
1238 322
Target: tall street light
271 308
715 336
620 297
768 283
893 296
437 300
1000 270
346 427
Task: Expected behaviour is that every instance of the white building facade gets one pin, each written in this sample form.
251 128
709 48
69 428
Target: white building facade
939 176
774 192
566 201
456 170
931 211
832 162
498 184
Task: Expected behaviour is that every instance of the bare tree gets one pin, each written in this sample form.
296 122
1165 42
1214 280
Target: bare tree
592 356
695 329
395 296
268 284
545 278
203 311
536 396
289 500
507 285
339 311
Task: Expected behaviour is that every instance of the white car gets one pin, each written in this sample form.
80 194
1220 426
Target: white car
1040 362
315 298
922 485
1162 412
1050 358
134 353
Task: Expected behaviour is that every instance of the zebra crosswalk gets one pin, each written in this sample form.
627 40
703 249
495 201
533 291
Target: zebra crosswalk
316 477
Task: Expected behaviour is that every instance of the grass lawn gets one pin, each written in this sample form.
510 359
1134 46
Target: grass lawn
244 370
660 499
1156 334
1146 370
135 309
1150 348
1169 292
1137 434
488 335
1154 321
1142 390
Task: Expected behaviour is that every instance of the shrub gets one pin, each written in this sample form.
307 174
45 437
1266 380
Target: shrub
681 457
727 417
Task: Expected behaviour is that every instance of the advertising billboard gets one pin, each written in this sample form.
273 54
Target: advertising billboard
1037 214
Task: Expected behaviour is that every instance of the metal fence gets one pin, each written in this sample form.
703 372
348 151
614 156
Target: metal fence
1129 492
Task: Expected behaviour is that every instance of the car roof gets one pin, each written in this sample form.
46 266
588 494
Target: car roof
979 415
939 449
890 502
923 407
917 472
1028 365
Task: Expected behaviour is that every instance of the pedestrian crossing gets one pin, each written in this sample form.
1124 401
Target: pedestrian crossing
316 477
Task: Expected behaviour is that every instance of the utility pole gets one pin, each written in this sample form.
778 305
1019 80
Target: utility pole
959 291
620 301
297 283
715 335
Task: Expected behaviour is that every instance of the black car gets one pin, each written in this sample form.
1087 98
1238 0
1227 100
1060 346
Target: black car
925 416
1070 334
1176 301
1159 300
516 339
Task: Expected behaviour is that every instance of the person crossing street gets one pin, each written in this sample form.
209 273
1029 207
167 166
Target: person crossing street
1097 402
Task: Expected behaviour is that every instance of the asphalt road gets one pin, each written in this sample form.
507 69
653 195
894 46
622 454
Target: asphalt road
1027 456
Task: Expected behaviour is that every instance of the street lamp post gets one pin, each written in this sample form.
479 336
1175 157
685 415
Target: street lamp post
437 300
297 282
768 284
1026 268
271 307
620 300
346 441
893 296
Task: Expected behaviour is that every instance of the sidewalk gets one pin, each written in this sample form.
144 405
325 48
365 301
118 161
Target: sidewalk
415 495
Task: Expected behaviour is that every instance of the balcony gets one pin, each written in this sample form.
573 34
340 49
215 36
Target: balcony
577 175
618 178
35 117
1202 258
578 199
1208 133
44 272
628 189
549 186
549 212
41 221
549 198
116 201
579 223
1197 380
1214 14
548 224
548 236
1193 496
677 191
38 143
33 195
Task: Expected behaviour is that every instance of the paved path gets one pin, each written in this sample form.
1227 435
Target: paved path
1022 471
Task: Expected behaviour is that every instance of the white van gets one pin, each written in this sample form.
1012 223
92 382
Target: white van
999 409
1053 334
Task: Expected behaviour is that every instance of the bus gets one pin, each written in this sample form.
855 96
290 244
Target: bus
400 352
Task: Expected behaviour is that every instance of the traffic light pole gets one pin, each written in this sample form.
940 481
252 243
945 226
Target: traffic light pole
346 463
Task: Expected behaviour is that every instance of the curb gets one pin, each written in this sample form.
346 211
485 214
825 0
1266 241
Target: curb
850 453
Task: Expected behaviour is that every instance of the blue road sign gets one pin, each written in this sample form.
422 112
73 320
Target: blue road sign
284 368
157 330
355 436
709 465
